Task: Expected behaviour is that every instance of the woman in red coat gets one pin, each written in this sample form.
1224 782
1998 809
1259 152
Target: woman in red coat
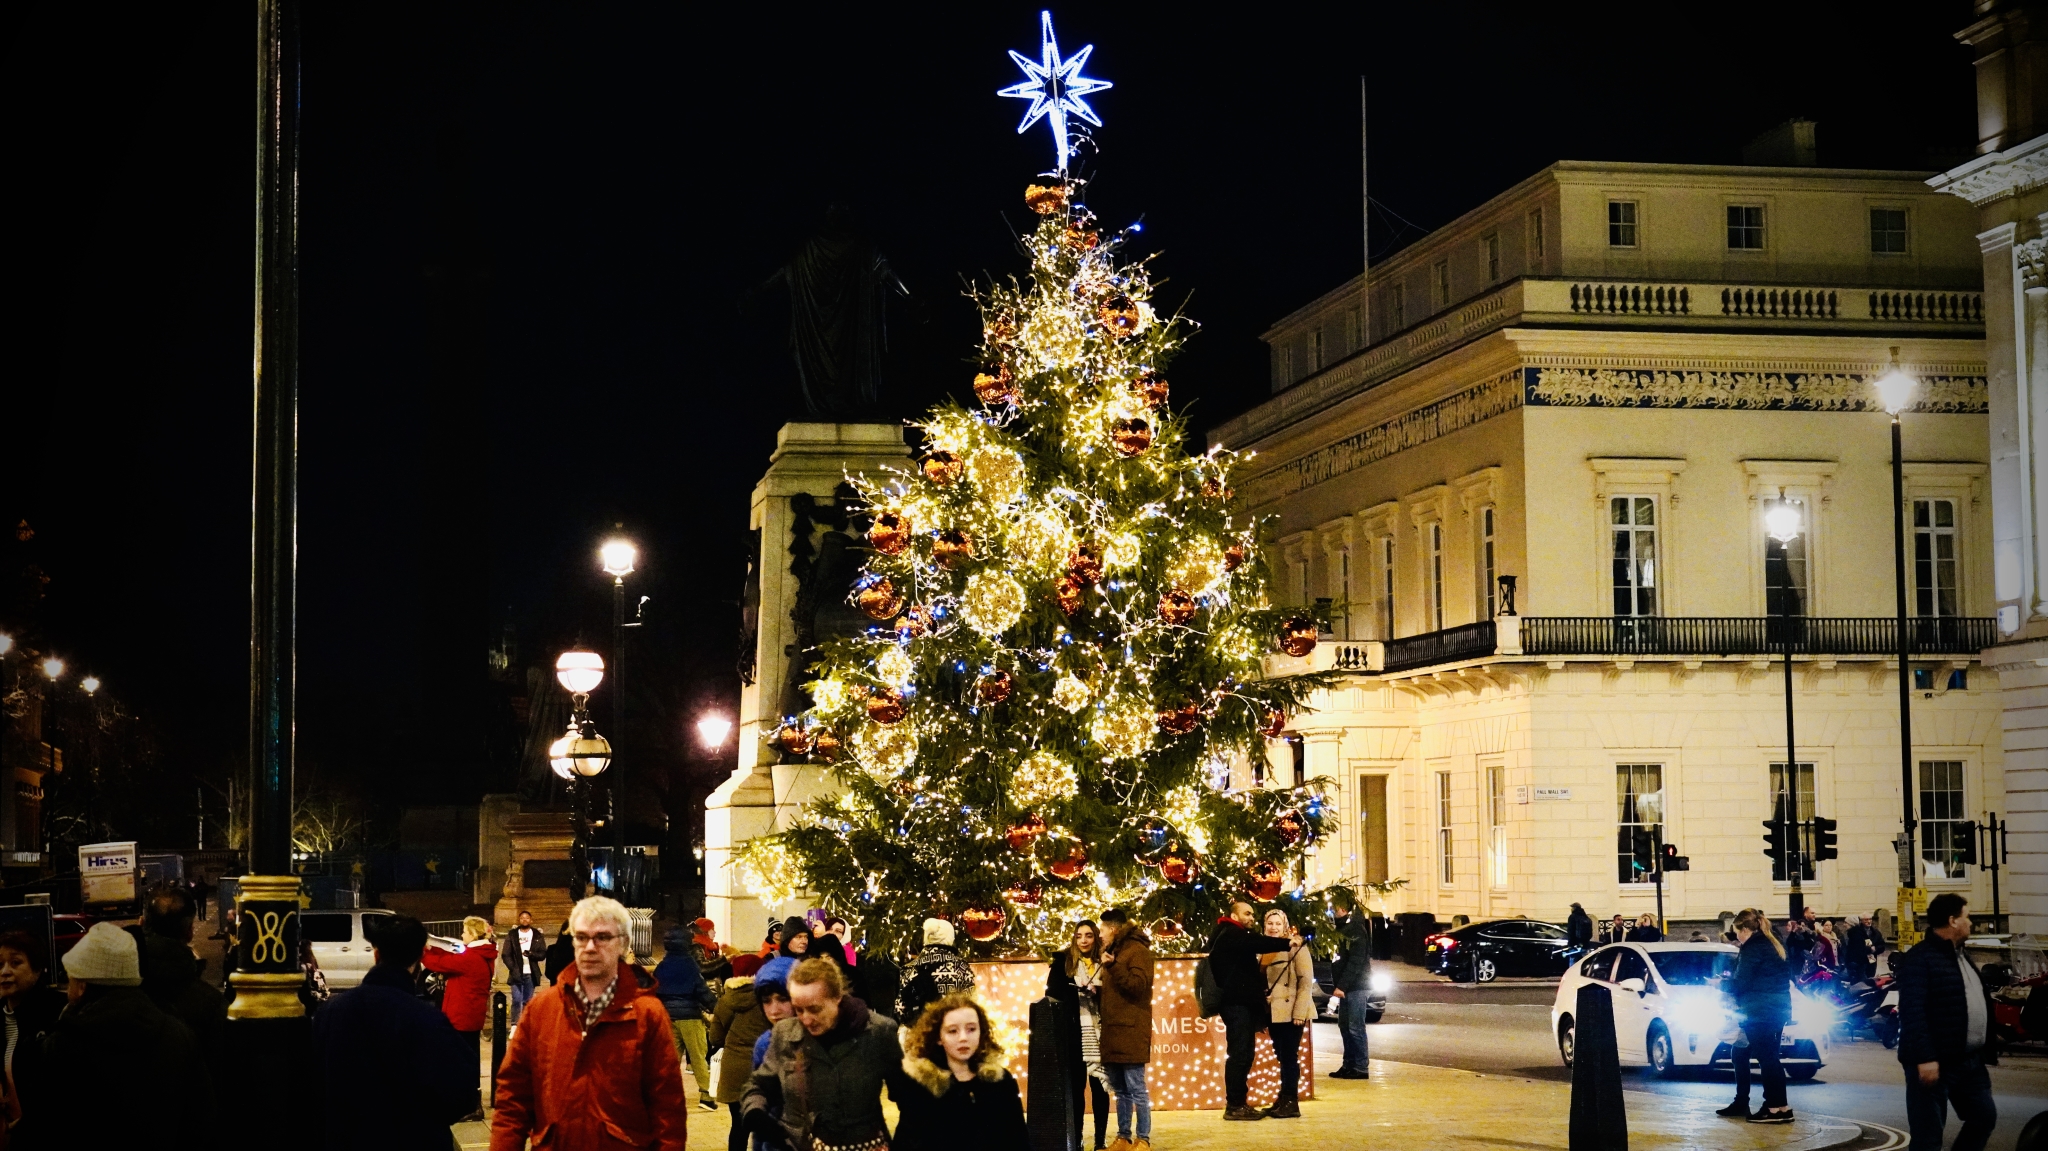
468 990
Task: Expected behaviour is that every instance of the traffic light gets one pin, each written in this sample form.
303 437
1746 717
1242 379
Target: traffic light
1674 861
1642 848
1824 840
1965 842
1774 842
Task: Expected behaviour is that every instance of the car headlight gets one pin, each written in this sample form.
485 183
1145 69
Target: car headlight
1382 982
1812 1015
1699 1015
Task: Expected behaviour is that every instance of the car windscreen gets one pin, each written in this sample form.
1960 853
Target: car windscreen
1695 968
329 928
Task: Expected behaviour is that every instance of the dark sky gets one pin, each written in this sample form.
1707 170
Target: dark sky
534 239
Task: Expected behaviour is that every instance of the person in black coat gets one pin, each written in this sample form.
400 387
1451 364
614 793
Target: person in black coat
526 955
1762 990
1578 927
1350 987
1945 1031
1645 931
32 1007
394 1070
1234 950
1075 973
954 1088
561 954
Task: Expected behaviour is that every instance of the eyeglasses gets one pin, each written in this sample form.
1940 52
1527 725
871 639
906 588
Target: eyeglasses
601 938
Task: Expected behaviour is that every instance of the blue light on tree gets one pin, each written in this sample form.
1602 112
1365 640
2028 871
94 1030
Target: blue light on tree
1055 88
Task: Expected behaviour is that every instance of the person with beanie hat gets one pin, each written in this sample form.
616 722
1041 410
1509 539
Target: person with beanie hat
740 1019
111 1023
712 962
746 967
796 938
937 971
681 988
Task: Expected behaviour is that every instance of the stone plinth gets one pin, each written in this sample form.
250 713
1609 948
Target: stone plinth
540 856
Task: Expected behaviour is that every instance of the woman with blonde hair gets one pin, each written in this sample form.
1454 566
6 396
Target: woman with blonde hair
1762 990
468 971
960 1086
1291 1003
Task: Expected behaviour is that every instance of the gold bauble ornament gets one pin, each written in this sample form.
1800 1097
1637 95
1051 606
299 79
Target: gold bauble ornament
992 603
1045 199
942 467
1124 730
1119 314
828 694
886 748
1298 636
890 533
1070 694
996 387
885 706
998 472
879 600
1130 436
1043 779
1123 550
1177 607
894 666
952 546
1198 567
1039 542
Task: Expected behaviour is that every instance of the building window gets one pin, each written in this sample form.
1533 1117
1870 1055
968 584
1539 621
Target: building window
1943 838
1621 223
1487 579
1536 241
1440 283
1888 231
1284 361
1785 567
1639 789
1745 228
1354 331
1387 587
1493 258
1633 520
1436 574
1800 798
1397 308
1315 350
1446 862
1934 558
1497 822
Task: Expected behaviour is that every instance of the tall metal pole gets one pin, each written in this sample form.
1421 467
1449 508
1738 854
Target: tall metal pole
267 1029
618 783
1908 869
1790 826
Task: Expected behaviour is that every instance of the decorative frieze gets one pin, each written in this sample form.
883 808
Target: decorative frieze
1742 391
1432 421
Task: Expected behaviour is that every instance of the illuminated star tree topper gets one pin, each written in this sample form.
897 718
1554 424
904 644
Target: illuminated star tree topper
1055 87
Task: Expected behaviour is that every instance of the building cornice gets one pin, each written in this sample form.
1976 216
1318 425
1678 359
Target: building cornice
1997 175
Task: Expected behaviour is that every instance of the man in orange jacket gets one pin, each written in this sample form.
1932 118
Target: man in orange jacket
592 1064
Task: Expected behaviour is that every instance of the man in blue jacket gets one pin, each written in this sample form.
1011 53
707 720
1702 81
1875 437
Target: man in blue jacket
1945 1032
395 1073
682 989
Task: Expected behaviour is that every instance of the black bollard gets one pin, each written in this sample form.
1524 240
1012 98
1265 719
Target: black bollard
1599 1119
500 1022
1049 1112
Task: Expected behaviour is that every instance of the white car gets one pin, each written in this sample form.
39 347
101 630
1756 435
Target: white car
1670 1010
339 945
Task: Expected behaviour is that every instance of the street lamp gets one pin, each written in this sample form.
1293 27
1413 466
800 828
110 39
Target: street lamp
90 683
618 554
1896 391
1782 523
713 729
6 643
53 667
579 754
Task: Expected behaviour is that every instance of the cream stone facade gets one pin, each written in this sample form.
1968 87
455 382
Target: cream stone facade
1597 384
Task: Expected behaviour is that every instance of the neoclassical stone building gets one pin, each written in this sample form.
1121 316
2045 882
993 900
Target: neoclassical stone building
1593 390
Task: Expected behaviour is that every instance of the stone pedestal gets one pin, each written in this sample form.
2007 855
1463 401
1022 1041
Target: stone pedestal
809 462
537 876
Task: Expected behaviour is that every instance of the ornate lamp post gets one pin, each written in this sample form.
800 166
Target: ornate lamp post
1782 523
1896 391
580 754
618 555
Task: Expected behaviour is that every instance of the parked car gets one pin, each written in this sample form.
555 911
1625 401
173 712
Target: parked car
70 929
339 945
1483 952
1670 1010
1375 999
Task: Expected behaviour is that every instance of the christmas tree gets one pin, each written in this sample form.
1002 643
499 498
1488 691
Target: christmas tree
1072 617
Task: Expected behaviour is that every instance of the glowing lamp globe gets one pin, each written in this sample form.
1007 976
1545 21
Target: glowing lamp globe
584 755
6 644
558 757
618 556
1895 391
579 672
713 729
90 683
53 667
1782 523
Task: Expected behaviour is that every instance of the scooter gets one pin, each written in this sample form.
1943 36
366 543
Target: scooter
1885 1019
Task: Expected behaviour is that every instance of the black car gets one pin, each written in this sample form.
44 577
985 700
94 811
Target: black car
1375 998
1483 952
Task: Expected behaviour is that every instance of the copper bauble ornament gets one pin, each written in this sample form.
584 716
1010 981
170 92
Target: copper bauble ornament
1085 565
1290 827
1215 489
1263 881
1025 894
943 467
793 739
879 600
1274 723
1130 436
1233 557
995 387
1023 833
1083 238
982 923
917 620
1070 863
890 533
826 746
1177 606
1167 927
1070 593
1045 199
1298 636
1000 332
885 706
1152 839
1177 867
1151 387
995 687
1180 720
952 546
1119 314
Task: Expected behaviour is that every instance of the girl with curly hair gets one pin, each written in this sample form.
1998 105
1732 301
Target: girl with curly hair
959 1083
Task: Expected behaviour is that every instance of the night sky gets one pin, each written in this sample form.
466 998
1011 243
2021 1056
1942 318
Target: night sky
536 249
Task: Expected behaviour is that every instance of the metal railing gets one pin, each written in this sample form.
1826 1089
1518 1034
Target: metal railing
1746 635
1470 641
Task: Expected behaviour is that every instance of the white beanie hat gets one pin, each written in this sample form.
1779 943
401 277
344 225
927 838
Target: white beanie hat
106 955
938 931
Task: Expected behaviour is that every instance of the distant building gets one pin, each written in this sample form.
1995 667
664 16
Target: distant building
1599 384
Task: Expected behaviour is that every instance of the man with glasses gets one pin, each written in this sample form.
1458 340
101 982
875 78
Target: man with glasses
593 1064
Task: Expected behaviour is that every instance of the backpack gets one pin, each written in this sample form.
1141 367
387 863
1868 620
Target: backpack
1208 992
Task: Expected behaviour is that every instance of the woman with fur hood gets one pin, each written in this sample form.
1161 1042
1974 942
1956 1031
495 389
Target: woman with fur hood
960 1086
